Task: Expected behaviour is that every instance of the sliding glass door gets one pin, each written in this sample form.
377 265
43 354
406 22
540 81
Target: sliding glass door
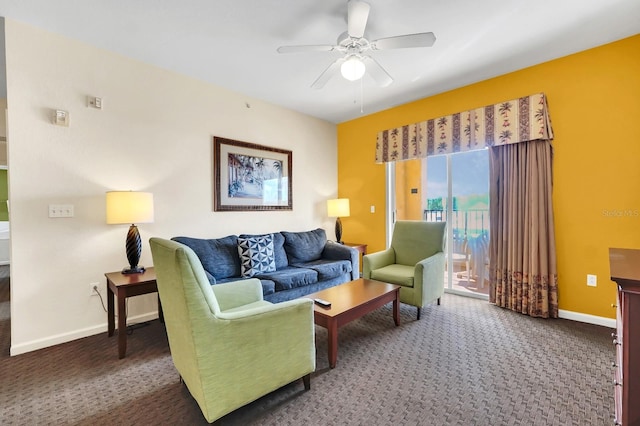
452 188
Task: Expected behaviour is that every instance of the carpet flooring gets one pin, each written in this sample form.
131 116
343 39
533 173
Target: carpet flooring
465 362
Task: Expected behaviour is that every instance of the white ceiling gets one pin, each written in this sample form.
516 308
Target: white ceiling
232 43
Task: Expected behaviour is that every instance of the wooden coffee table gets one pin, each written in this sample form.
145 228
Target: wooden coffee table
351 301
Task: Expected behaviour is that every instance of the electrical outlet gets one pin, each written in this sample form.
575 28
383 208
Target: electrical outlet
94 289
592 280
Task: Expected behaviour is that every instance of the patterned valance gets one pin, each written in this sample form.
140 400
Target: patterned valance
518 120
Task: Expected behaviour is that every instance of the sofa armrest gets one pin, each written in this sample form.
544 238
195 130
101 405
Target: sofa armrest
377 260
211 278
335 251
237 293
429 277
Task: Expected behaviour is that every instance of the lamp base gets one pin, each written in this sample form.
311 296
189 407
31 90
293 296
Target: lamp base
339 231
136 270
134 248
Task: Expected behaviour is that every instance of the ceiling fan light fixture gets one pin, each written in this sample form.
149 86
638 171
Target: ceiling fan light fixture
352 69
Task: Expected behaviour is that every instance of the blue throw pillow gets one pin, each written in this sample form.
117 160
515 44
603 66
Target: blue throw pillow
256 255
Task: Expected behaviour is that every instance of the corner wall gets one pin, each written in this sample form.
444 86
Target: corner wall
594 103
154 134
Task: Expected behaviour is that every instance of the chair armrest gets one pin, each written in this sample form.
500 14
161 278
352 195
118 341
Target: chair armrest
264 348
264 312
429 277
237 293
335 251
377 260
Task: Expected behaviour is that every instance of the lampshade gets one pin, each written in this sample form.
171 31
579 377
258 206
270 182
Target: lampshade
338 207
353 68
129 207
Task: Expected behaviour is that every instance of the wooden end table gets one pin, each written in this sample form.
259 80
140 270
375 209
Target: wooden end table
120 286
362 248
351 301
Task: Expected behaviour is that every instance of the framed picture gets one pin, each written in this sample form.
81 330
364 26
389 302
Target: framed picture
250 177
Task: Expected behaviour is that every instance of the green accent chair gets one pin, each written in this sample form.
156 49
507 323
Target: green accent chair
229 346
414 261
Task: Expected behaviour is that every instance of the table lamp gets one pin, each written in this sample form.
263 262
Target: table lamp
338 208
130 207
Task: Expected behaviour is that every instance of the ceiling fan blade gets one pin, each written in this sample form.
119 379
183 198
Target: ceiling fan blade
375 70
409 40
327 74
302 49
357 16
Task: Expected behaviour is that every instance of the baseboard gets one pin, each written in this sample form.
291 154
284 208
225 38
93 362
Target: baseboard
590 319
58 339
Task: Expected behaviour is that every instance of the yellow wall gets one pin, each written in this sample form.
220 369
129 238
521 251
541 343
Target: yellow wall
408 177
594 103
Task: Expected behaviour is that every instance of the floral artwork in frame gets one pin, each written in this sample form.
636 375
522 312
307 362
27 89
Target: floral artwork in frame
250 177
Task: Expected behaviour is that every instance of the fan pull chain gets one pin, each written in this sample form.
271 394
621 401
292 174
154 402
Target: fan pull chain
362 95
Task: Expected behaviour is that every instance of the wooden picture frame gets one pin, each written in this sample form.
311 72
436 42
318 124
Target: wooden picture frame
249 177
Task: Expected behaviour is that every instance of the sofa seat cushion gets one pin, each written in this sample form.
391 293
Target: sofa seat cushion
290 277
304 246
219 256
395 274
268 287
327 269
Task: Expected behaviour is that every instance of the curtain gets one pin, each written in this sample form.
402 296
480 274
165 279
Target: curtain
522 255
518 120
522 261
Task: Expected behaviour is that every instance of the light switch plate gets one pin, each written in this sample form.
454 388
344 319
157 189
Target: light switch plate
60 210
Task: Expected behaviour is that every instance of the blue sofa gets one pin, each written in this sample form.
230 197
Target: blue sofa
288 264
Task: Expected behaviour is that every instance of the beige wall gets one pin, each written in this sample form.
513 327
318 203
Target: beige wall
154 134
3 131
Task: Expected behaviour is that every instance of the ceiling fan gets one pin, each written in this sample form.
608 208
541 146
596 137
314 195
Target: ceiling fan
355 47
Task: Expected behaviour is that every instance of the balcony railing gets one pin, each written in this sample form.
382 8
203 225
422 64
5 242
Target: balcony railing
465 223
470 245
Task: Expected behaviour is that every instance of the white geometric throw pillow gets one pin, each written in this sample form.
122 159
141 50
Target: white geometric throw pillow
256 255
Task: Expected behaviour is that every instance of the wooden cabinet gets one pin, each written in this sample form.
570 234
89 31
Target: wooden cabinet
625 271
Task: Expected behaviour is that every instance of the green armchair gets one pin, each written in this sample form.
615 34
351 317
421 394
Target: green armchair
415 261
229 346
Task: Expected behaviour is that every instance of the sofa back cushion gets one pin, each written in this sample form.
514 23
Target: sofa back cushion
278 248
304 246
219 256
